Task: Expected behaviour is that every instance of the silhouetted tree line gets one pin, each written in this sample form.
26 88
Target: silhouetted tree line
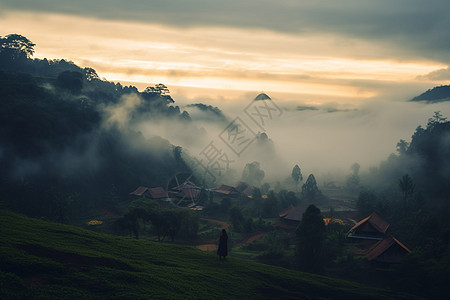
410 190
426 159
146 216
61 158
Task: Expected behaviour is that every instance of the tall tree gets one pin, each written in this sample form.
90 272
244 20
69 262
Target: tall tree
297 175
253 174
353 182
402 147
437 118
310 190
310 235
237 219
16 46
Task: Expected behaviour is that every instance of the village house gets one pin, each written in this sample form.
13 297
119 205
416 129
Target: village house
185 194
379 247
157 193
386 252
244 189
227 190
291 217
371 228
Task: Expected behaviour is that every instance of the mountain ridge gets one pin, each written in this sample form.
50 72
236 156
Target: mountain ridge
434 95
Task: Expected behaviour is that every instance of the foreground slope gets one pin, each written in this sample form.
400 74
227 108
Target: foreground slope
43 260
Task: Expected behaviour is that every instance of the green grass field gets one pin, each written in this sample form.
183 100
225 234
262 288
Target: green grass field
44 260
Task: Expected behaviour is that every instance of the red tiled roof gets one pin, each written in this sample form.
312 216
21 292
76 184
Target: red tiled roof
226 190
157 193
294 213
382 246
139 191
191 193
376 221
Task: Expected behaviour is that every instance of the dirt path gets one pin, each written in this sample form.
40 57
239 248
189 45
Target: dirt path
251 238
223 225
211 245
207 247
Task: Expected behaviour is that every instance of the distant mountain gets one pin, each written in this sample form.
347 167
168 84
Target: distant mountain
262 97
206 112
436 94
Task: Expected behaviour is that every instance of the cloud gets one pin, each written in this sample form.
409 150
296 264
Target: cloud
312 61
438 75
119 114
411 28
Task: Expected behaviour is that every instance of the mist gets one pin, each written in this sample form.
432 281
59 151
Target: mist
323 139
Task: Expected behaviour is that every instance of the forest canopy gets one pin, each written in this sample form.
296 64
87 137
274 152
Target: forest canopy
60 150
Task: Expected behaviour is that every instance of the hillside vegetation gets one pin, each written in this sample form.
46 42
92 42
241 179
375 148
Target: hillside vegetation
436 94
44 260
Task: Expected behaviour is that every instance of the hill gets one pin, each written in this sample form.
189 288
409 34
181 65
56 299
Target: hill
44 260
72 144
436 94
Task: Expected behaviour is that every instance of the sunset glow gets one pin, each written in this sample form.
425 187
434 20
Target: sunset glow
226 58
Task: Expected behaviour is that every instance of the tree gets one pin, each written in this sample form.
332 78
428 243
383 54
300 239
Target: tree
310 190
71 81
237 219
90 74
132 220
297 175
225 204
366 202
310 235
437 118
253 174
15 46
189 225
402 147
265 188
407 187
174 220
159 90
353 182
270 205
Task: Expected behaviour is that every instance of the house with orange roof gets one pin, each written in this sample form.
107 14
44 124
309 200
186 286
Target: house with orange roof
379 247
371 228
152 193
387 252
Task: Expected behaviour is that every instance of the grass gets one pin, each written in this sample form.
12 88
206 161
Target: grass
44 260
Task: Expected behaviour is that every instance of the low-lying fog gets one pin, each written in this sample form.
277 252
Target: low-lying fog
324 139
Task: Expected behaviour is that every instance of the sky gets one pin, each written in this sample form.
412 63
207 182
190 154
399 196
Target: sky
349 50
359 57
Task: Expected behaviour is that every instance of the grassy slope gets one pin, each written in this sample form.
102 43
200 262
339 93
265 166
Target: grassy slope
43 260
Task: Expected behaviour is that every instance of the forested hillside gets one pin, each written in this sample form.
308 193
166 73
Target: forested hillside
436 94
66 144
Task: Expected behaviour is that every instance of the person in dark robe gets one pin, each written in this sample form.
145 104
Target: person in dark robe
222 250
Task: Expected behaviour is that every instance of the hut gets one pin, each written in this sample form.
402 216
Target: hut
291 217
386 252
371 228
226 190
157 193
